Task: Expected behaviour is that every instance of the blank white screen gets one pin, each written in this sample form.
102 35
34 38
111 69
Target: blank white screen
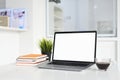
74 46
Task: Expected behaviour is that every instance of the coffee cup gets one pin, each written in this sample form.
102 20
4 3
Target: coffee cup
103 64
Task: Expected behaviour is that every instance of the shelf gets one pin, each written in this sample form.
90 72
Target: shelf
12 29
15 21
55 18
57 7
57 29
58 18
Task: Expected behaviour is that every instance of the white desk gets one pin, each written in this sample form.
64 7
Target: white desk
13 72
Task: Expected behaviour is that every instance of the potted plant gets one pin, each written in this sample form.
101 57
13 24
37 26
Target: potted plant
46 46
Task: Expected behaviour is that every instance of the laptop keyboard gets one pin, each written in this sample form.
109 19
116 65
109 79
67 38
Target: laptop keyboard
65 67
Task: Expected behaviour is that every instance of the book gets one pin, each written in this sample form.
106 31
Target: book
28 64
32 62
31 59
32 56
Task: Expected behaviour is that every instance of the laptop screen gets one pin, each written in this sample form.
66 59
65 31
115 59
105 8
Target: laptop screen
75 46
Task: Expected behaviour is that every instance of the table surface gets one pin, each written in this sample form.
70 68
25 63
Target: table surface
13 72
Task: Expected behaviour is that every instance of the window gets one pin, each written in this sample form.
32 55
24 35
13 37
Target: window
83 15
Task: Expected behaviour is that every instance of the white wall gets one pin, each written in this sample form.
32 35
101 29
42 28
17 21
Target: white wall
15 43
2 4
107 48
9 46
20 40
35 24
39 22
118 32
25 38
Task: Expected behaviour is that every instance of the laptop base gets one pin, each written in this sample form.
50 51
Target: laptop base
47 65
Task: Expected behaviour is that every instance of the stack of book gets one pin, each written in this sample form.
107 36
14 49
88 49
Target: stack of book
31 59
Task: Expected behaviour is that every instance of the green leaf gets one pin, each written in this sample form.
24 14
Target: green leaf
46 45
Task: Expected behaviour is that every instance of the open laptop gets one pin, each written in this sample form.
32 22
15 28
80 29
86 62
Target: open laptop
72 51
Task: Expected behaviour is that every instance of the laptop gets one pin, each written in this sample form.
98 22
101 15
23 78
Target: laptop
72 51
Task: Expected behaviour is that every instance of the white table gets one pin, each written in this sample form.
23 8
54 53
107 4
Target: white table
13 72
